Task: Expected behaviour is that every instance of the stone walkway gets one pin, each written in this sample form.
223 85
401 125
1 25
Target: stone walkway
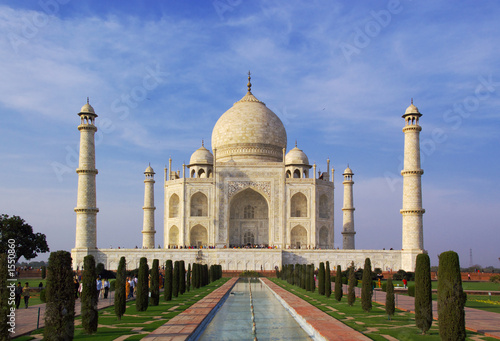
184 325
476 320
323 324
26 319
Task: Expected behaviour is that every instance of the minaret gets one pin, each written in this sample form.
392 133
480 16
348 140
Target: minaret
148 227
348 209
86 210
412 187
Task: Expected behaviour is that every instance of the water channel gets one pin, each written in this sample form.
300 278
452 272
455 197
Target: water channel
251 312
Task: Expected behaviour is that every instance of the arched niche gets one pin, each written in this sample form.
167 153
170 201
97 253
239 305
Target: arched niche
199 205
298 205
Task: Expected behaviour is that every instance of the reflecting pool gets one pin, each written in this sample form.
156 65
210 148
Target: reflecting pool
235 321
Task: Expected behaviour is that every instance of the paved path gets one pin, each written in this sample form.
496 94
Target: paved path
26 319
183 325
323 324
477 320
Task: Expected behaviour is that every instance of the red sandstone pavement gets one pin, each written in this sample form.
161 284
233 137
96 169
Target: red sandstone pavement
476 320
183 325
325 325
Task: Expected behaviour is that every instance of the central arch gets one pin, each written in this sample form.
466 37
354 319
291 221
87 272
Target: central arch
298 237
249 219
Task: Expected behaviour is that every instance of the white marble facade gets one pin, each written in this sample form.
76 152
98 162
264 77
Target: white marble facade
250 205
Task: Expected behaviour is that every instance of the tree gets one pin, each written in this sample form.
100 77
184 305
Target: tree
321 279
89 296
141 302
296 274
155 283
351 295
423 293
60 296
175 280
44 271
451 298
311 278
182 277
120 291
168 281
307 278
27 244
5 307
390 307
367 287
328 280
338 284
188 278
305 271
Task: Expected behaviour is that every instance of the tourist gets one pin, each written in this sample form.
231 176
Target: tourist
405 282
99 287
132 286
76 286
127 288
26 294
18 292
106 287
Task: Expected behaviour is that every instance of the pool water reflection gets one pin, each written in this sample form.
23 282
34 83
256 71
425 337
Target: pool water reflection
233 321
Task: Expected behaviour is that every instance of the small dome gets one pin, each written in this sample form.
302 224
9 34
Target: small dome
296 157
412 110
202 156
149 170
348 171
87 108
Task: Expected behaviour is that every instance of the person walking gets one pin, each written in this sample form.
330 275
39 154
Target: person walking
99 287
26 294
106 287
405 282
18 292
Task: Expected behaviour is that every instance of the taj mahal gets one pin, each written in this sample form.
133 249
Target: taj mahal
249 204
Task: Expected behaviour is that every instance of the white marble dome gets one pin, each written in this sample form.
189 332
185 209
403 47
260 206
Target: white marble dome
249 131
201 156
87 108
296 157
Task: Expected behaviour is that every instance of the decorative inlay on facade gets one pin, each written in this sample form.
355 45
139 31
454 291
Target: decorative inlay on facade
415 172
236 186
86 210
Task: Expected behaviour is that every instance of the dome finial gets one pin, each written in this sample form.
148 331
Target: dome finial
249 85
202 143
295 143
412 100
87 100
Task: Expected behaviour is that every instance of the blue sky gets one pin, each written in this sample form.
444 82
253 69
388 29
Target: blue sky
338 74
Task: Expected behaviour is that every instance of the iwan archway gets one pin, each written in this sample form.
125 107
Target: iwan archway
249 219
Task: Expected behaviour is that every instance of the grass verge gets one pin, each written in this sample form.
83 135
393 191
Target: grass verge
374 324
138 324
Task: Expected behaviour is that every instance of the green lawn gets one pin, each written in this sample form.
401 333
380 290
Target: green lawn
465 284
486 303
373 324
110 327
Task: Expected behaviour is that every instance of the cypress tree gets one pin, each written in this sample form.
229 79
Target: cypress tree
205 274
4 298
194 275
367 287
311 278
167 294
182 277
328 280
390 307
423 293
321 279
304 276
89 296
60 294
120 299
155 283
338 284
141 302
351 295
44 271
175 280
188 278
308 274
451 298
296 279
